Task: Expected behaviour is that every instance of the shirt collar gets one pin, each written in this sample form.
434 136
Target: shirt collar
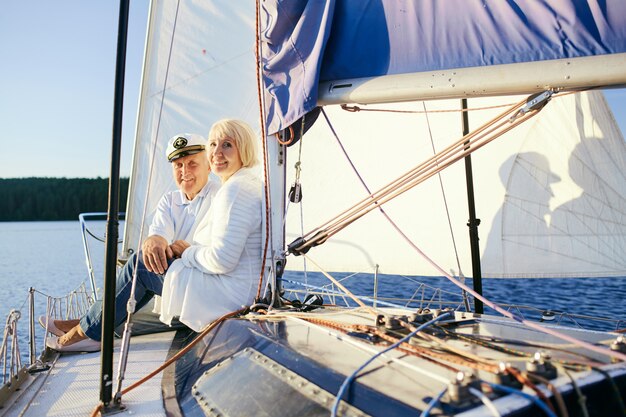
181 200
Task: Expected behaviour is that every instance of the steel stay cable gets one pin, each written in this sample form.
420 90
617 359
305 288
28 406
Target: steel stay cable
445 202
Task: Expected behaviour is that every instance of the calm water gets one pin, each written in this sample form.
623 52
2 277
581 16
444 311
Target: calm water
49 256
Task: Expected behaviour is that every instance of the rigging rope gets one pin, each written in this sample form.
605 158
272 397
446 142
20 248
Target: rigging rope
383 212
555 392
465 146
453 153
427 353
356 109
580 397
433 403
487 402
526 382
508 390
353 376
337 283
207 329
132 302
258 63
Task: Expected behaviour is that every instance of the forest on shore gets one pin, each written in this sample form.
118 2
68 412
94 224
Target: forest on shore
37 199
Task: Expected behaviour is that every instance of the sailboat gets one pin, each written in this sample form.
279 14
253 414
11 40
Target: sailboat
359 107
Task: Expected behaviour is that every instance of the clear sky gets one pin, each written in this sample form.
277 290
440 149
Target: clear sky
57 73
57 70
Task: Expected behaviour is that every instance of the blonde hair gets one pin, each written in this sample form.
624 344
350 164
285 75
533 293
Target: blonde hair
243 136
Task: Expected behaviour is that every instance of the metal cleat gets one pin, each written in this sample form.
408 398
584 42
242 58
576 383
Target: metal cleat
505 378
458 394
540 365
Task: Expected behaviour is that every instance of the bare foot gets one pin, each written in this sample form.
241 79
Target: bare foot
73 335
66 325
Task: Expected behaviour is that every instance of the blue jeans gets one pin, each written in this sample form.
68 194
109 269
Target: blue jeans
148 285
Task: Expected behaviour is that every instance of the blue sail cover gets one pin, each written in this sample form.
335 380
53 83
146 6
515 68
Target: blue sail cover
305 42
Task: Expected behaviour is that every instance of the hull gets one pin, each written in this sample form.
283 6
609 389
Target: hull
296 363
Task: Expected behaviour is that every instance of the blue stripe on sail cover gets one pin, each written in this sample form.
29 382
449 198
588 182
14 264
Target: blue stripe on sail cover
305 42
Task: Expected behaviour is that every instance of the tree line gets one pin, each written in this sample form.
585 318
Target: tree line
29 199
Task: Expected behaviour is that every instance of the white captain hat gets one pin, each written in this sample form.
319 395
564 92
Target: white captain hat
184 144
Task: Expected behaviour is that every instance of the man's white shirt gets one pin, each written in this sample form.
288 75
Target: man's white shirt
175 216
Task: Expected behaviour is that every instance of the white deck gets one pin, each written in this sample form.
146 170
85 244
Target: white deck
72 388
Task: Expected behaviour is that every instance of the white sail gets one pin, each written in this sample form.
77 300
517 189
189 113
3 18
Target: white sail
577 156
191 79
549 194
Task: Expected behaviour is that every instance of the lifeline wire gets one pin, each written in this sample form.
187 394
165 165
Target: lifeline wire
350 378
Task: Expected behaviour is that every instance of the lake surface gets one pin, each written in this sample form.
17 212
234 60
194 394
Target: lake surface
49 257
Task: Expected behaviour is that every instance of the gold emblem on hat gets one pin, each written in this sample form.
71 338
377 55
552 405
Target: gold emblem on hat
180 142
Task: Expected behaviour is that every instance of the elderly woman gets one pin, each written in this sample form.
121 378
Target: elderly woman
218 272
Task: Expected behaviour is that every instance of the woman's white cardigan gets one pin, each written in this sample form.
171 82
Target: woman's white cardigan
219 273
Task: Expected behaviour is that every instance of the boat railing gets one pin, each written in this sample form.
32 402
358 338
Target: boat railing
70 306
425 296
83 218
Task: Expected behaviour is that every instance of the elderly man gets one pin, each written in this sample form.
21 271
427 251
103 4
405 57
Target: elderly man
177 211
172 225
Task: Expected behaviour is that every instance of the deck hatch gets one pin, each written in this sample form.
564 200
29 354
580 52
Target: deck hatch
277 391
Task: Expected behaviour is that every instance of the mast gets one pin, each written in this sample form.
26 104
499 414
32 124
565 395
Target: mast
110 256
473 222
